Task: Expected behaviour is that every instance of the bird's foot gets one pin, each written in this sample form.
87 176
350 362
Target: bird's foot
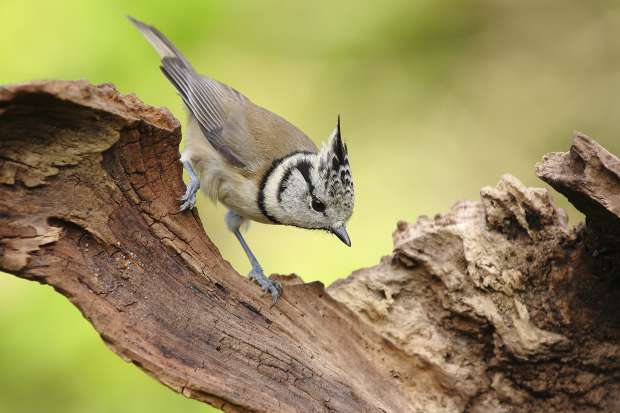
188 200
266 284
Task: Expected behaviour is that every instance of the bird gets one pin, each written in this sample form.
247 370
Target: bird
256 163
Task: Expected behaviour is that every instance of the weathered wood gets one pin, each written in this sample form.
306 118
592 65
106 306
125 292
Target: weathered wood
495 306
513 310
90 181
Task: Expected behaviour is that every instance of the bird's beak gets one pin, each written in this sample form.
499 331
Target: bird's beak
341 233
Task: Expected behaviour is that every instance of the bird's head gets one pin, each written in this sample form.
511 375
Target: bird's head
314 190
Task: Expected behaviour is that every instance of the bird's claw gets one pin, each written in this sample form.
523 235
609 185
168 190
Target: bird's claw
188 200
266 284
188 204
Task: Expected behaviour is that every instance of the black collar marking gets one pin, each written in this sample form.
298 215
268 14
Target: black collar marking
303 167
284 182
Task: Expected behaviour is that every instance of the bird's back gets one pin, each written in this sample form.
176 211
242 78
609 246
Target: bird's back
260 137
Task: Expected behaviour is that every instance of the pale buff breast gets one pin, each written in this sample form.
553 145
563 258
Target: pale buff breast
221 182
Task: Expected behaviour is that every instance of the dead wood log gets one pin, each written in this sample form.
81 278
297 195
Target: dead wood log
494 306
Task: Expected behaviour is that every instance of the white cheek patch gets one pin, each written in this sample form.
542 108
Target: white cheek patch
271 205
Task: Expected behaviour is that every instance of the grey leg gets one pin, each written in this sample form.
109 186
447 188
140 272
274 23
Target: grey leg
233 221
189 199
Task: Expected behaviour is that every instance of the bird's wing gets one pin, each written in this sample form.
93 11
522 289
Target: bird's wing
208 100
247 135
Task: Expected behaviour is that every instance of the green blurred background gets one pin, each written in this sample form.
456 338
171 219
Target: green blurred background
437 98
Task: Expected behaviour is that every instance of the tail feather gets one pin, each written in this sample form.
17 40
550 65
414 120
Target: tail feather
207 99
160 42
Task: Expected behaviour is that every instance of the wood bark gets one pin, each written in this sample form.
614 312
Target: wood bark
495 306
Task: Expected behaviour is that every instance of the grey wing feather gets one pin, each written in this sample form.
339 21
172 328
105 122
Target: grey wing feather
208 100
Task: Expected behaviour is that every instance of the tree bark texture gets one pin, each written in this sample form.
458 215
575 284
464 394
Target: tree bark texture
494 306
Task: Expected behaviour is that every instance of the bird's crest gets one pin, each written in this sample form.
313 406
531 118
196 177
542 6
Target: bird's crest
335 170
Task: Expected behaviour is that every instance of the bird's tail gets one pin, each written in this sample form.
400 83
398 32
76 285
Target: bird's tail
160 42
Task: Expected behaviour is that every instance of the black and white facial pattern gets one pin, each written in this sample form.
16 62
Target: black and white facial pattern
310 190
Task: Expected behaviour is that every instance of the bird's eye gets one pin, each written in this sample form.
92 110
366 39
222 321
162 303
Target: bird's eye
318 206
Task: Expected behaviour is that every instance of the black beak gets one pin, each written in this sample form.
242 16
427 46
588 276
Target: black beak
341 233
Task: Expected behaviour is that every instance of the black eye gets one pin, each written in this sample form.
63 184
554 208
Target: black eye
318 206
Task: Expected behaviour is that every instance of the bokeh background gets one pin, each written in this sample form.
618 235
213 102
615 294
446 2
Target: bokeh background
437 98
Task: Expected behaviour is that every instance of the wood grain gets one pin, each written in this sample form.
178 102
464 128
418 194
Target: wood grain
496 305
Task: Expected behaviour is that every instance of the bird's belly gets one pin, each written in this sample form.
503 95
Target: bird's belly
242 199
226 185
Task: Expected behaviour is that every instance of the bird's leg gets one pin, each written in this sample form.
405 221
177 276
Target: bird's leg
234 221
189 199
